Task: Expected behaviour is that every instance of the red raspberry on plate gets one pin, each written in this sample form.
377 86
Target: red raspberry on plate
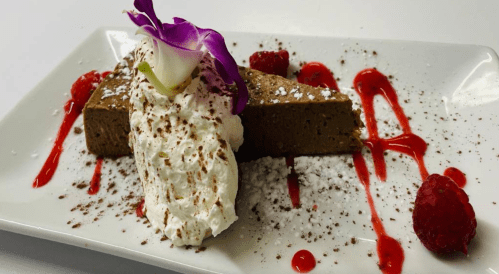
443 219
82 87
271 62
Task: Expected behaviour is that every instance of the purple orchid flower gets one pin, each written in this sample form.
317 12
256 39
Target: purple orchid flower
179 45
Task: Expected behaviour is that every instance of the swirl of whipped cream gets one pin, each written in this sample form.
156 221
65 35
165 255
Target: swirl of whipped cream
183 152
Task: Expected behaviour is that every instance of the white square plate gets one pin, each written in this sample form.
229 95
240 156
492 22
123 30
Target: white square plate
449 91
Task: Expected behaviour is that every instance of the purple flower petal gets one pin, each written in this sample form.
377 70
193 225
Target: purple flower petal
210 76
188 38
223 73
183 35
146 7
178 20
149 30
215 44
139 19
241 98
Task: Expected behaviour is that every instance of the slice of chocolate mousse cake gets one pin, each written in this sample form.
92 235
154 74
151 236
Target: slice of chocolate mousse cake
105 115
282 117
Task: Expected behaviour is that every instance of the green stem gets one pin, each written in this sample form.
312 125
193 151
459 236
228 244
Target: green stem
145 68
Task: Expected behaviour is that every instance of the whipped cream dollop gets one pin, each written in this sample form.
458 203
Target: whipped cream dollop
183 152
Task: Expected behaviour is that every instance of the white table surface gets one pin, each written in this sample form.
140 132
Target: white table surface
39 34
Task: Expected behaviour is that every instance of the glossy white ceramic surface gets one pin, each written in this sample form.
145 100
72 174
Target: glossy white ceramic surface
459 82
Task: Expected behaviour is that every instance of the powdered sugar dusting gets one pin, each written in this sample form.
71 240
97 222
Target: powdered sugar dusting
123 76
326 93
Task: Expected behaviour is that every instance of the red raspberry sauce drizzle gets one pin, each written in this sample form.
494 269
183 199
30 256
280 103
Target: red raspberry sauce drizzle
303 261
73 108
317 74
369 83
140 209
95 183
52 161
456 175
390 252
293 185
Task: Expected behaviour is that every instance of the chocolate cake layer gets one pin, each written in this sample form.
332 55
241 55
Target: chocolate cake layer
282 117
285 118
105 115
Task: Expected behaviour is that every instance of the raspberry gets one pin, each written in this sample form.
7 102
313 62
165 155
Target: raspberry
271 62
443 219
82 87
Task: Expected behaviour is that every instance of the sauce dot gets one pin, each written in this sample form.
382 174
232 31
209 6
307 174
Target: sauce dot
317 75
303 261
456 175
